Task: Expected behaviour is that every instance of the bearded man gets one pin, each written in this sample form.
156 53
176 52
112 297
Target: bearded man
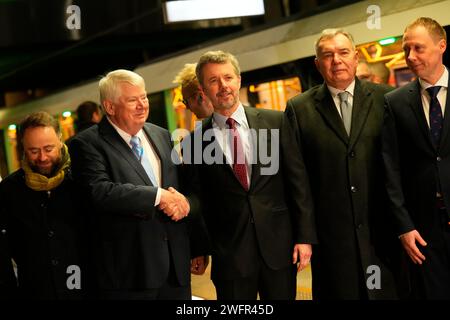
40 219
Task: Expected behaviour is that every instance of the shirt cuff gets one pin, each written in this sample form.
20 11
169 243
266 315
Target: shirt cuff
158 197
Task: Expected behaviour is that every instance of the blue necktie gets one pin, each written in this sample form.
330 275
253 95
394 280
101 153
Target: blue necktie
436 118
138 151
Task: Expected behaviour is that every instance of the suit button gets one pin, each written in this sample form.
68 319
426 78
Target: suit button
55 262
3 231
359 226
438 159
50 234
353 189
165 238
352 154
252 221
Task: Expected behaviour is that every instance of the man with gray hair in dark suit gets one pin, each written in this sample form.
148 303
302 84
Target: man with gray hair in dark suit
338 126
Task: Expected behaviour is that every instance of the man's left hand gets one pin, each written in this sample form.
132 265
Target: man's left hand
302 255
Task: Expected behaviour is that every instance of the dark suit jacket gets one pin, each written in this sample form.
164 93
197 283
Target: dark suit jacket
414 166
347 185
133 241
8 286
44 233
269 219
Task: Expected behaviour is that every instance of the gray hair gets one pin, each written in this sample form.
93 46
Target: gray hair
109 84
330 34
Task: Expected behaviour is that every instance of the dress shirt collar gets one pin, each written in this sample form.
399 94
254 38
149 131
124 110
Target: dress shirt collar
126 136
443 81
334 91
238 116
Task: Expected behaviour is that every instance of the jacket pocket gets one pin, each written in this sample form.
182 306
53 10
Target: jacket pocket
280 210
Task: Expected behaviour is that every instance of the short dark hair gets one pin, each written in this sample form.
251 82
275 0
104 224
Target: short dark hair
86 110
38 119
34 120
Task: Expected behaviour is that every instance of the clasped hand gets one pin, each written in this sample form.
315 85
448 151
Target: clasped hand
174 204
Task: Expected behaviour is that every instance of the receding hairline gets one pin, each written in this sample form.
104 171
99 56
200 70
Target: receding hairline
327 34
433 27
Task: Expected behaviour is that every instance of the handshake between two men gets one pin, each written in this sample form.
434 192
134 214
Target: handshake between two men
174 204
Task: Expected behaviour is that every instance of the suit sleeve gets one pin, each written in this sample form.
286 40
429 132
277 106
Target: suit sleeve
190 186
92 172
297 185
8 288
391 159
8 285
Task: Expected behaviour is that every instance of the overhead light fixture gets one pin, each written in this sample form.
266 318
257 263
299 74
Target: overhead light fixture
386 41
66 114
192 10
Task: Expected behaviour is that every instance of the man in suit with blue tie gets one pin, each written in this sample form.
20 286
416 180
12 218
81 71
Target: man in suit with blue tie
416 152
139 234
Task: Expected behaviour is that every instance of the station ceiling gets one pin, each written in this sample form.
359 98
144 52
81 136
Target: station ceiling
39 53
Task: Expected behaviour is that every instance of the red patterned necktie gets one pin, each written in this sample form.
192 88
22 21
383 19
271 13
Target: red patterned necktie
239 166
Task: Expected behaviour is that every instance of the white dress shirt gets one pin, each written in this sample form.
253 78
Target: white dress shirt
441 96
224 138
335 95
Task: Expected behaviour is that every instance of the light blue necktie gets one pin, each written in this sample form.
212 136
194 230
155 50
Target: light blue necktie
138 151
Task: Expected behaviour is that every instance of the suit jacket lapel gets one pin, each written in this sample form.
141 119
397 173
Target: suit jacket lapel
115 140
255 122
326 107
252 115
415 103
157 143
207 125
361 108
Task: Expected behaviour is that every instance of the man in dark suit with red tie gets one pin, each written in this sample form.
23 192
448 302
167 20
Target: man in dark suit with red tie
416 152
258 213
138 231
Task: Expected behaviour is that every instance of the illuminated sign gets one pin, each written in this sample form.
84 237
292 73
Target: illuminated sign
191 10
